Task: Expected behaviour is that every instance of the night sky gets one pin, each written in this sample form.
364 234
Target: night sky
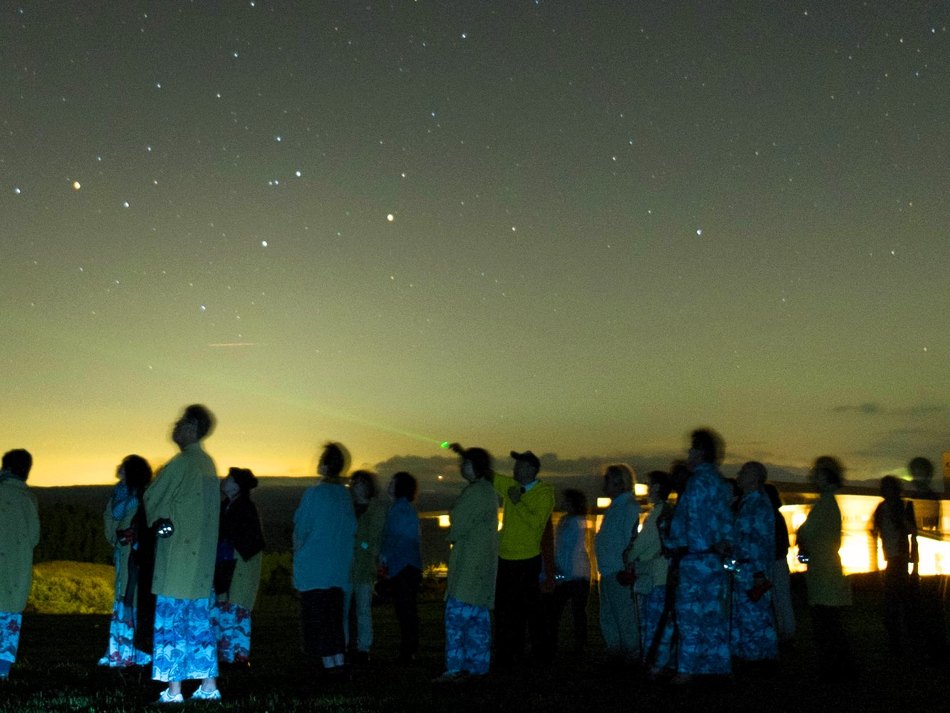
579 228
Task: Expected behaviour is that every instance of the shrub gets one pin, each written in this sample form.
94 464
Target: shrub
62 587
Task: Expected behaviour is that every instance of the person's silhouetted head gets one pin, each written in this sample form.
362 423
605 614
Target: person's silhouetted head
480 462
137 473
660 483
921 472
575 502
334 461
891 487
404 485
679 475
244 478
706 446
196 423
364 484
204 420
618 478
18 463
828 473
751 476
527 466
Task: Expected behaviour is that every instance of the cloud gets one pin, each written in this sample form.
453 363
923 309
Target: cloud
868 409
875 409
442 471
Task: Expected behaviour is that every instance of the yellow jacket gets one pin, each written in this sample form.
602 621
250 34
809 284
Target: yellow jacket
523 522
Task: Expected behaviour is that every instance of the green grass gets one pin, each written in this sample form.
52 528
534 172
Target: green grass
56 671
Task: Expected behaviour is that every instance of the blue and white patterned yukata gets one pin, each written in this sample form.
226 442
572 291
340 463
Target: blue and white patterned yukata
10 624
232 629
753 622
121 652
701 520
184 640
467 638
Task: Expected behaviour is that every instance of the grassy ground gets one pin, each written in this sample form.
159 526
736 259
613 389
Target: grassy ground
56 672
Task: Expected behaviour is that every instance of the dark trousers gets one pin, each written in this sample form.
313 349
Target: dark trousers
517 607
404 589
322 618
575 591
834 653
900 606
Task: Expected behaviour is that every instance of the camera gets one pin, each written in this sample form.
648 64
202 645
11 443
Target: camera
164 528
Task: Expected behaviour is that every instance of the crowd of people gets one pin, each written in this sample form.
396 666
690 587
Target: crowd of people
698 586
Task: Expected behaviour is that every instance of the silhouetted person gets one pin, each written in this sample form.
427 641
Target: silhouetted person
819 539
701 533
753 635
124 526
572 569
895 525
652 567
781 579
401 558
324 526
183 503
370 509
527 504
19 534
619 623
237 573
473 562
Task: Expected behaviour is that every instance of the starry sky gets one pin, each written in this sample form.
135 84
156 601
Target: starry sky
579 228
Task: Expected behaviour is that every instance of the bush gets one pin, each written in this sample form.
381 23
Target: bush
71 588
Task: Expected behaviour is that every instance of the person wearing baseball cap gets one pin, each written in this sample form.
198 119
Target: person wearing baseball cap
527 503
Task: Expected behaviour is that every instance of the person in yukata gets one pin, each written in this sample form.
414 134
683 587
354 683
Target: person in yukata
183 504
753 622
701 533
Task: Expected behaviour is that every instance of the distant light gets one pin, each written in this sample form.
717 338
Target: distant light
444 521
641 489
76 185
603 502
390 217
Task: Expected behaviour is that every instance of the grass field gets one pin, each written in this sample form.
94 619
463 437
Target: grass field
56 671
